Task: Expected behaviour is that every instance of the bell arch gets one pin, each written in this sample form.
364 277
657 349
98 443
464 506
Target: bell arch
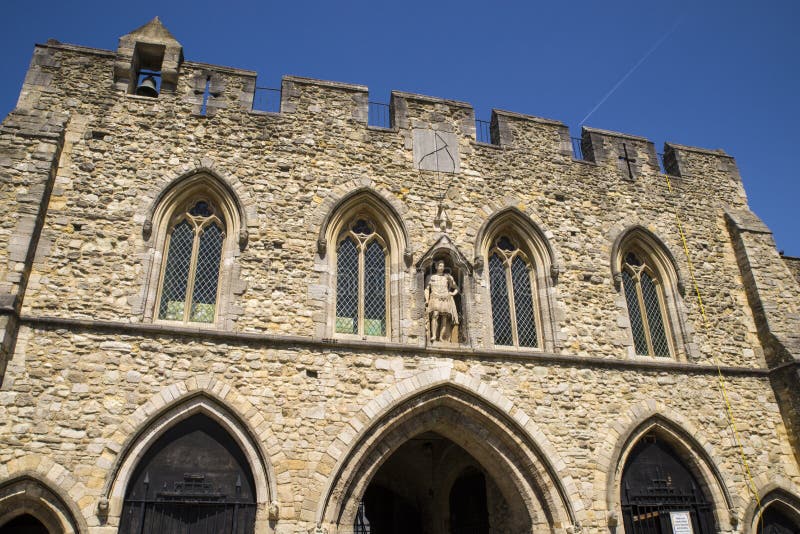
28 496
504 450
691 452
137 446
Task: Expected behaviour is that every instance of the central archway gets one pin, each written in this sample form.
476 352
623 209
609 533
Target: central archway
479 437
431 485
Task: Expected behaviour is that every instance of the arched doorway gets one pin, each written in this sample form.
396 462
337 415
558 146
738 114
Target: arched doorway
28 504
24 523
193 477
776 520
660 494
430 485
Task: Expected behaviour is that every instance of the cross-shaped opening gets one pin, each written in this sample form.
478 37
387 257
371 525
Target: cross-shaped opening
628 160
206 95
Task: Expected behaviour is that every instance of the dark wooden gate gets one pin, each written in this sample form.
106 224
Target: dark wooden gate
193 480
656 483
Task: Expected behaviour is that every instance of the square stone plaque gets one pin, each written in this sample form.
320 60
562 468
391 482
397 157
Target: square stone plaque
435 150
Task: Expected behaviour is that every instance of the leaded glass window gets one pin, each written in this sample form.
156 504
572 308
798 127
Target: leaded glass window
512 296
644 299
190 279
361 281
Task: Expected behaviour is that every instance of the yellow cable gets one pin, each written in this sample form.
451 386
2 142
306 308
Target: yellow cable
751 485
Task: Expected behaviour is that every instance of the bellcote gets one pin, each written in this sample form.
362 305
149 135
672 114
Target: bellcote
148 60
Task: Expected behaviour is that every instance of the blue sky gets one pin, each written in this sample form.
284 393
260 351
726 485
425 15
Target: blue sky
727 74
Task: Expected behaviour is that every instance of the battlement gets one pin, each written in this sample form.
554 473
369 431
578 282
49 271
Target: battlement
202 89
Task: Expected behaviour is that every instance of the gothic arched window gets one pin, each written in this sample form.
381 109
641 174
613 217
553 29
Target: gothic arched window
190 277
511 285
361 280
645 300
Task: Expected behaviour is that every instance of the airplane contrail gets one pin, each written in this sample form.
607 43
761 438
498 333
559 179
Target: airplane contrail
632 70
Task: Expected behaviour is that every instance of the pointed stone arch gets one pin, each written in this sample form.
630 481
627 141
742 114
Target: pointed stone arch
654 246
773 491
499 435
364 196
347 203
31 492
202 395
667 275
520 222
684 438
541 258
237 201
236 209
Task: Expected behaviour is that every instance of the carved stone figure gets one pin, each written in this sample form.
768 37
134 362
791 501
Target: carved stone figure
440 306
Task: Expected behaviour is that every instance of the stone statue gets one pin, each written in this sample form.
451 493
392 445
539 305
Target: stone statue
440 306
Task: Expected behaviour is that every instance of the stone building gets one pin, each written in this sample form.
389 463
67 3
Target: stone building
292 321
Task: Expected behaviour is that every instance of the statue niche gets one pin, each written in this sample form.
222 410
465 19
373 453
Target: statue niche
441 310
442 271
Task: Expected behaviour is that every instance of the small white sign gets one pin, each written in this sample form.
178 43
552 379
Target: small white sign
681 523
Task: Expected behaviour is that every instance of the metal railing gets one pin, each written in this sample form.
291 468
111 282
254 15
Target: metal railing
577 148
483 132
379 115
267 99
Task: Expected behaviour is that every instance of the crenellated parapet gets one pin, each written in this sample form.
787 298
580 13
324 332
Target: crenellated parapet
61 72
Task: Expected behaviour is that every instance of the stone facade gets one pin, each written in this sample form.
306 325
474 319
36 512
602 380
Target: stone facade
90 375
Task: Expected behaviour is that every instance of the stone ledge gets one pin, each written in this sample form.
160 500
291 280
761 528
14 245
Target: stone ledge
326 83
58 323
52 43
709 152
430 99
220 68
610 133
531 118
746 221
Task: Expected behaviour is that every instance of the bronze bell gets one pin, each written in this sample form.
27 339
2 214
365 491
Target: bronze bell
147 88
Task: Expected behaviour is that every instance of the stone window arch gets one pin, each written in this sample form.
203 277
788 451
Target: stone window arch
28 504
646 276
519 278
366 247
196 229
361 280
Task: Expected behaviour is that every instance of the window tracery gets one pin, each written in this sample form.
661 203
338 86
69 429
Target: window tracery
645 302
511 287
188 289
361 280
